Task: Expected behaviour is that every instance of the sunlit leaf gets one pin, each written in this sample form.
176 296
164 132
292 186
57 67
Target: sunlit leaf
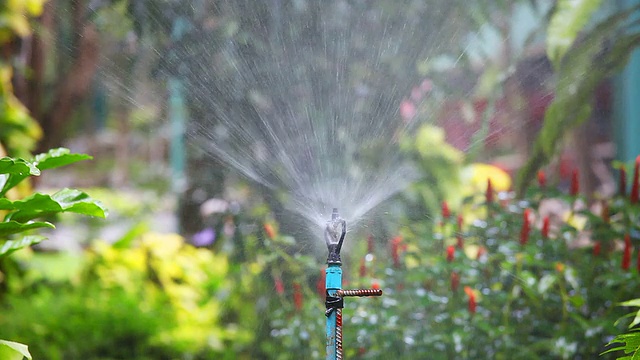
567 21
10 246
14 227
58 157
15 350
66 200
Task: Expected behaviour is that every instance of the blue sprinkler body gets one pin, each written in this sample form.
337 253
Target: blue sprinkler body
334 236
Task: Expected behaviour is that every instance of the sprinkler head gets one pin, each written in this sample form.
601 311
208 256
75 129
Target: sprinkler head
334 236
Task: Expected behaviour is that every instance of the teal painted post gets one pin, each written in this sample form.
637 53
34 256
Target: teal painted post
627 104
333 284
177 118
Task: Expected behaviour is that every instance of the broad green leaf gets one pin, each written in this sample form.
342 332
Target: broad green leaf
15 350
634 302
17 166
13 171
58 157
65 200
569 18
629 343
10 246
14 227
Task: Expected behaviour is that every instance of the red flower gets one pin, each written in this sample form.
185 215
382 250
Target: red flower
455 281
445 210
459 233
575 183
481 251
451 252
363 268
597 248
526 227
269 230
395 250
278 285
489 194
370 244
626 255
545 227
622 185
297 296
635 195
542 179
321 284
472 299
375 285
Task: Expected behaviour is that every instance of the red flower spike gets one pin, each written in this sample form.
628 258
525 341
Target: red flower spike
489 194
622 185
455 281
597 248
269 230
363 268
472 299
445 210
542 179
297 296
545 227
375 285
460 243
626 255
278 285
370 244
451 253
321 284
526 227
575 183
395 250
635 192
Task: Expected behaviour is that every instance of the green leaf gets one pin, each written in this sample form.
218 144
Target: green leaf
58 157
569 18
634 302
65 200
16 349
629 344
13 245
17 166
14 227
13 171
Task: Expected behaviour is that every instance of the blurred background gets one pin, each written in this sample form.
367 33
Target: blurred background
214 127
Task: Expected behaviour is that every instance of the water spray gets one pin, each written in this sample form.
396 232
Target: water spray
334 235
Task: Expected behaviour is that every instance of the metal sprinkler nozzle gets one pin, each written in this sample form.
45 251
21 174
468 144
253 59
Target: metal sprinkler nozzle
334 236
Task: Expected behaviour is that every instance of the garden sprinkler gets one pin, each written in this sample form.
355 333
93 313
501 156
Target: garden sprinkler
334 235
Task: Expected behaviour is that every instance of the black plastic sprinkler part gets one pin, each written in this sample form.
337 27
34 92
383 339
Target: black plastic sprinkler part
334 236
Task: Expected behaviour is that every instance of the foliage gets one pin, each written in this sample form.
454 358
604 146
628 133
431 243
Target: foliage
602 52
18 131
19 215
168 287
629 342
569 18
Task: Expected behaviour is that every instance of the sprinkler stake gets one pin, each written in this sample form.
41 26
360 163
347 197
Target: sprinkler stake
334 234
